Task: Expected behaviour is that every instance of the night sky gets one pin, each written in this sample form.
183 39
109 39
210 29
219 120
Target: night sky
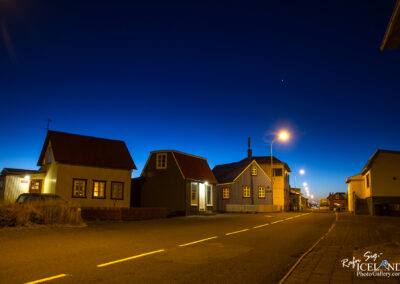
201 77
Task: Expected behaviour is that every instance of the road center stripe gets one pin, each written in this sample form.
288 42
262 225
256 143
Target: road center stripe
231 233
47 279
199 241
277 221
259 226
129 258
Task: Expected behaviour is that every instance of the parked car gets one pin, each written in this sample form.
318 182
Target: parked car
37 197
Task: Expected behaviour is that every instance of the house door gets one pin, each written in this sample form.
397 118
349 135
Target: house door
35 186
202 197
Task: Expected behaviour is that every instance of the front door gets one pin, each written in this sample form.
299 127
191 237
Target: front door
35 186
202 197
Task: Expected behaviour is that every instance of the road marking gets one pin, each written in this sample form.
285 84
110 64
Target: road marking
289 218
307 252
47 279
267 216
236 232
199 241
277 221
259 226
129 258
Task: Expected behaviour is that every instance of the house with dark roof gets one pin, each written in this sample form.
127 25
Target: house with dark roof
86 171
337 201
243 187
376 190
180 182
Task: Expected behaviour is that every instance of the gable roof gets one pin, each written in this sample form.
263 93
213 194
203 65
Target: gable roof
267 160
87 151
192 167
373 158
391 39
228 173
353 178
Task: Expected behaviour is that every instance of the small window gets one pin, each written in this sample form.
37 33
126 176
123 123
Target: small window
99 189
193 194
246 191
117 190
209 195
79 188
49 155
161 161
254 170
225 193
277 172
367 179
261 192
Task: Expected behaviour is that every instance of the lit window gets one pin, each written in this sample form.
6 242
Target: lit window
117 190
261 192
99 189
193 193
253 170
225 193
79 188
246 191
161 161
209 195
367 179
277 172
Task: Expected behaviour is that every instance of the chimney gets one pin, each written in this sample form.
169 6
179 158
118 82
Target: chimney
249 152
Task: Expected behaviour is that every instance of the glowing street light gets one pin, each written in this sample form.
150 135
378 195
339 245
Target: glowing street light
302 172
305 184
283 136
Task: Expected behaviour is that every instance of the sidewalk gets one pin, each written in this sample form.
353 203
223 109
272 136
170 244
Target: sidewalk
353 235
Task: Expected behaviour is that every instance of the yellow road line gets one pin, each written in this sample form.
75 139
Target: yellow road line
231 233
259 226
199 241
129 258
47 279
289 218
277 221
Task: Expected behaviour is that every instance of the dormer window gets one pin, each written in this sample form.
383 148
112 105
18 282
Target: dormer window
50 153
161 161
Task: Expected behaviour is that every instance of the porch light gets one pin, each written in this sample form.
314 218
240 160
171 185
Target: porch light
27 177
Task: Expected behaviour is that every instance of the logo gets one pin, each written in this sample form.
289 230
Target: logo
372 264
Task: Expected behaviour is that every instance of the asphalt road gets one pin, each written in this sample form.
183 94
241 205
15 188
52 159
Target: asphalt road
225 248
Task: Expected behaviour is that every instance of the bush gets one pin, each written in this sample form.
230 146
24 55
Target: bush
47 212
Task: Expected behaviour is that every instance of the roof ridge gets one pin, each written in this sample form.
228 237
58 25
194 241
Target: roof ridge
86 136
179 152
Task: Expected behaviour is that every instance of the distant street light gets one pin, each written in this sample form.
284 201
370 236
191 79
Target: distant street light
305 184
302 172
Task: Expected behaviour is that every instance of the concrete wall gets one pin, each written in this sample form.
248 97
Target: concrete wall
236 190
385 175
356 187
66 174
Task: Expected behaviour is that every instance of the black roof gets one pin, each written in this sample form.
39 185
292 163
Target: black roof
267 160
228 172
12 171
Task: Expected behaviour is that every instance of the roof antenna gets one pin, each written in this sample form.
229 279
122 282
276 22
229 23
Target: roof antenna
48 124
249 152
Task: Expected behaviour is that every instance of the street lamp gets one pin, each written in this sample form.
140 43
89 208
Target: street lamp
302 172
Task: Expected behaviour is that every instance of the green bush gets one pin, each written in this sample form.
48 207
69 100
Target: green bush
47 212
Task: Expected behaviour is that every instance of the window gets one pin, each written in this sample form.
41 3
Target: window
99 189
246 191
79 188
367 180
209 195
117 190
49 155
254 170
225 193
161 161
193 194
277 172
261 192
337 196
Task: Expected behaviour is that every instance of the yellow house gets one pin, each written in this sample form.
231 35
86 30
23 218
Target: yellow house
376 190
280 178
86 171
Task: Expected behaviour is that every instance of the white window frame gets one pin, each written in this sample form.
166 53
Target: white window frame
253 170
261 188
194 202
247 191
159 161
226 190
209 195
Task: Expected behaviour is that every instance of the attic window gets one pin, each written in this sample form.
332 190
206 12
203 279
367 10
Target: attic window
50 153
161 160
253 170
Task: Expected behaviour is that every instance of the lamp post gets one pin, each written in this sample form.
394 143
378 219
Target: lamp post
283 135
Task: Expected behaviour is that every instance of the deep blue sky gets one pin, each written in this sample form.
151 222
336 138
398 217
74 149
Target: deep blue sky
202 76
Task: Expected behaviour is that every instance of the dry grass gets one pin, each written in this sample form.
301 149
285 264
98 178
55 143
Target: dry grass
47 213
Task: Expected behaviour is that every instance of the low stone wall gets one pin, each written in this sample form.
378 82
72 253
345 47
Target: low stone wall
123 214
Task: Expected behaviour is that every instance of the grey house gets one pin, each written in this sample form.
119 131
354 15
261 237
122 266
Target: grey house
243 186
180 182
